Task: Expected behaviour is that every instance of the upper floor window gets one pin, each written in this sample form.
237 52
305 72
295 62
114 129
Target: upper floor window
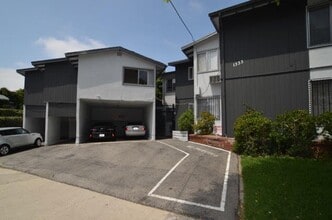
207 61
170 85
190 73
138 77
319 25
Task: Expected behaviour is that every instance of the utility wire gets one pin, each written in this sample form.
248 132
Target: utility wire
192 37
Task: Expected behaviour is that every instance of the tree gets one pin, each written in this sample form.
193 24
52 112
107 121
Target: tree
16 98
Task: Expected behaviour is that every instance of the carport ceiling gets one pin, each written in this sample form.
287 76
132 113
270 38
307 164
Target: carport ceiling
129 104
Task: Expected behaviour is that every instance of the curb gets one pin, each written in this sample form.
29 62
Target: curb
241 191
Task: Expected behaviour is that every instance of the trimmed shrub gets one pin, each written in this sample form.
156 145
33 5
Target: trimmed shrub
252 134
205 124
324 121
10 112
186 121
11 121
293 133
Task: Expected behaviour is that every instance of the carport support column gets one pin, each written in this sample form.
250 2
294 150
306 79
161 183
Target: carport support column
24 117
46 124
78 121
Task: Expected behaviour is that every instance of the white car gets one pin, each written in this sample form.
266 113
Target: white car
135 129
11 137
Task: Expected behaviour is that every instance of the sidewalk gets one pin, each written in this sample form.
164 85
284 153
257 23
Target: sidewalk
25 196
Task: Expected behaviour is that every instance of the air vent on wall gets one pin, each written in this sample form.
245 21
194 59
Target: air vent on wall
215 79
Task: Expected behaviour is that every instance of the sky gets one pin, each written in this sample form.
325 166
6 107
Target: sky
45 29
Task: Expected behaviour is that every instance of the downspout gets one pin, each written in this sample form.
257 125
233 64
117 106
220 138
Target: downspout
223 78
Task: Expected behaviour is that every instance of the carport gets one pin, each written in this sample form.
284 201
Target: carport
91 112
60 125
34 119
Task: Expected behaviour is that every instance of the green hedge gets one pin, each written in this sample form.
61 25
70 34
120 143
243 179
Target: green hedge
186 121
10 112
252 134
205 124
11 121
291 133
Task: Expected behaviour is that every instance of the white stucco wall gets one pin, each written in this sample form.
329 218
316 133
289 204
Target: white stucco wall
169 98
202 80
100 76
53 132
202 86
320 60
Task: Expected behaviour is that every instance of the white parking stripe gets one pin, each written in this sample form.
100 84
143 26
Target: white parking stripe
202 151
224 190
171 170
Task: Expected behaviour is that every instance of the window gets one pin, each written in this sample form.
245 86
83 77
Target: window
319 25
170 85
207 61
190 73
209 104
321 93
138 77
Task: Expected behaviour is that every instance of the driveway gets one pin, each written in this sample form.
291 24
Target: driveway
177 176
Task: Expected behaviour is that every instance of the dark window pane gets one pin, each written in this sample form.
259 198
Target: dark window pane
319 26
321 96
130 76
143 77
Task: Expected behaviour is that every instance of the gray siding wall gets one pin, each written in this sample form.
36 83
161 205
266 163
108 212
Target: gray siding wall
34 88
60 83
271 95
274 74
269 40
184 87
56 84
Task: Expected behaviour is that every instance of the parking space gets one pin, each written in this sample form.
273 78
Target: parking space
177 176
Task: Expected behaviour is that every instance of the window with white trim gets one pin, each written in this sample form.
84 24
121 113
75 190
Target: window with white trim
170 85
207 61
321 95
190 73
209 104
319 25
138 77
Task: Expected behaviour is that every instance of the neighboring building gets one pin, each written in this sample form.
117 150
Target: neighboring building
65 97
206 75
50 99
184 94
168 90
264 58
319 30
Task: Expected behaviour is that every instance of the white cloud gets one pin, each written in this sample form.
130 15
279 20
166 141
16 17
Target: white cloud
54 47
10 79
196 5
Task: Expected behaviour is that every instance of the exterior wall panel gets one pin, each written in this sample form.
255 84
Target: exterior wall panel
267 40
271 95
60 83
34 88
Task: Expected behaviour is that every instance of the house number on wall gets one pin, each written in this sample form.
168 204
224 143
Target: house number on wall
238 63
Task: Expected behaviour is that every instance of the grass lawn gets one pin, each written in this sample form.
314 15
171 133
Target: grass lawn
287 188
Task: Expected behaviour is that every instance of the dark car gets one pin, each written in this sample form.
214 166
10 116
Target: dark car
101 132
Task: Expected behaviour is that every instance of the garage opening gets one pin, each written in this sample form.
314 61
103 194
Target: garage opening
61 123
94 112
34 120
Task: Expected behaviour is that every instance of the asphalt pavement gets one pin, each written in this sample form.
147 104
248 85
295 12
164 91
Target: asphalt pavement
181 177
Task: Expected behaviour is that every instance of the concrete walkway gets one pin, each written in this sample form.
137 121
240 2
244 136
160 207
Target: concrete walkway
25 196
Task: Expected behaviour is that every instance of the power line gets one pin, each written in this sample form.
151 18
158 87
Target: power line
192 37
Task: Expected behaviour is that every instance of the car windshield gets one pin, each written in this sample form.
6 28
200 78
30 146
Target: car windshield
135 123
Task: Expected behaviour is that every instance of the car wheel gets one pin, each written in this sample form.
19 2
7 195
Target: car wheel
4 150
38 142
